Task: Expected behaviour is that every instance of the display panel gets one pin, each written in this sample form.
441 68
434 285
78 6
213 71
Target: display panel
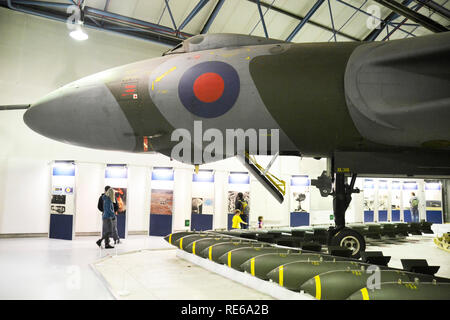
383 201
369 200
396 201
300 196
407 188
116 176
433 201
161 203
203 192
62 200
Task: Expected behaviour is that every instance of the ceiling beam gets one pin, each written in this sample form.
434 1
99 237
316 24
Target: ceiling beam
373 35
261 16
298 17
193 13
412 15
212 16
136 28
170 14
390 33
440 9
308 16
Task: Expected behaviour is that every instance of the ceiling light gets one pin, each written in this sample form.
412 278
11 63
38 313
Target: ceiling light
79 34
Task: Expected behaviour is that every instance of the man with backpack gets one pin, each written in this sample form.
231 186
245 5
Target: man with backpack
242 205
108 215
414 205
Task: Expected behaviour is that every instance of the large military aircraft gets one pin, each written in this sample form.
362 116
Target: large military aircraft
371 108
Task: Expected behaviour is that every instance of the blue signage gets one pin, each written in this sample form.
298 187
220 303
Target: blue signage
239 178
300 181
203 176
64 169
116 172
433 186
165 174
410 186
369 184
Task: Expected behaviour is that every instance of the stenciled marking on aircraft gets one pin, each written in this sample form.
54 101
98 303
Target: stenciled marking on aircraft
209 89
158 79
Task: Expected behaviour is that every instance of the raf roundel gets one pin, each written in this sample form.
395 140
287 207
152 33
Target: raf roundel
209 89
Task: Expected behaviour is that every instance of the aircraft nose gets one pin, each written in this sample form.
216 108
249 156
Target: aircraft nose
84 115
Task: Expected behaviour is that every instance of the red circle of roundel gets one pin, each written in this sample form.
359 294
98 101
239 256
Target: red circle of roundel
209 89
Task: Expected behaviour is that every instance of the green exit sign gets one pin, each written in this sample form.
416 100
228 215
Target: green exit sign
331 217
187 223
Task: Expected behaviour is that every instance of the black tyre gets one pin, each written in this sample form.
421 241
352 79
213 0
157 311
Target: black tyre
349 239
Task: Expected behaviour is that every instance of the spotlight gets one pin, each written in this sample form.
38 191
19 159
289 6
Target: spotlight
79 34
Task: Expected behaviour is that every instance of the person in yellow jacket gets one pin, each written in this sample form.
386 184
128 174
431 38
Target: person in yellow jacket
237 220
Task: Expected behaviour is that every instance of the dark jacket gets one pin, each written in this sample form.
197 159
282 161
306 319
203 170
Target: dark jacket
100 204
238 204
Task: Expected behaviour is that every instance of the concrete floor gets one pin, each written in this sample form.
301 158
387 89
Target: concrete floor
42 268
414 247
161 275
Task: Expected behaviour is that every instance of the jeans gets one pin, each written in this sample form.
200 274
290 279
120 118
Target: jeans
106 230
414 214
115 234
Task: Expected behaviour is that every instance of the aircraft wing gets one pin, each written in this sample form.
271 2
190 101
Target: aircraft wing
15 107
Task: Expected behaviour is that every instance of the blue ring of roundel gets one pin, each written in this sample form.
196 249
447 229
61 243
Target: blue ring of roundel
212 109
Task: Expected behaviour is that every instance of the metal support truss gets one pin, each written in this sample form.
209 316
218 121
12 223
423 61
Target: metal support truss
412 15
212 16
308 16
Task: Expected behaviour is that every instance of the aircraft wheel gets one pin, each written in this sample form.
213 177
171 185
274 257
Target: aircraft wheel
350 239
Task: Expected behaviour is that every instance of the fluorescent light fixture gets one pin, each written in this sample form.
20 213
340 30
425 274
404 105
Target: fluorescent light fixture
79 35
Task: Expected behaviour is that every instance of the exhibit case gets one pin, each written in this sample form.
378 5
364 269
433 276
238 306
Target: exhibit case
407 188
433 201
396 201
300 200
116 176
62 200
382 203
369 200
161 205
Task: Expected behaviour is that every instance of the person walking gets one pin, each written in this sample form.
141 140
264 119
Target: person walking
115 233
108 215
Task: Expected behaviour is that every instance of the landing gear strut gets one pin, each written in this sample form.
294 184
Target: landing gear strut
340 235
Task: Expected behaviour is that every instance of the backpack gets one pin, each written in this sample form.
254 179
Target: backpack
415 202
100 204
245 207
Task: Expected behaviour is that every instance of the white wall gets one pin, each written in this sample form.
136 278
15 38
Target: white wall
88 187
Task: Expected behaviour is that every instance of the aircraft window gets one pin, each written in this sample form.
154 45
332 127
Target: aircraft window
177 49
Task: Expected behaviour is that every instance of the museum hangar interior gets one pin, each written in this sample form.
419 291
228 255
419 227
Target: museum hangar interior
54 166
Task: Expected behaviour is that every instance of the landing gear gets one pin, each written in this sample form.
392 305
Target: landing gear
349 239
340 235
